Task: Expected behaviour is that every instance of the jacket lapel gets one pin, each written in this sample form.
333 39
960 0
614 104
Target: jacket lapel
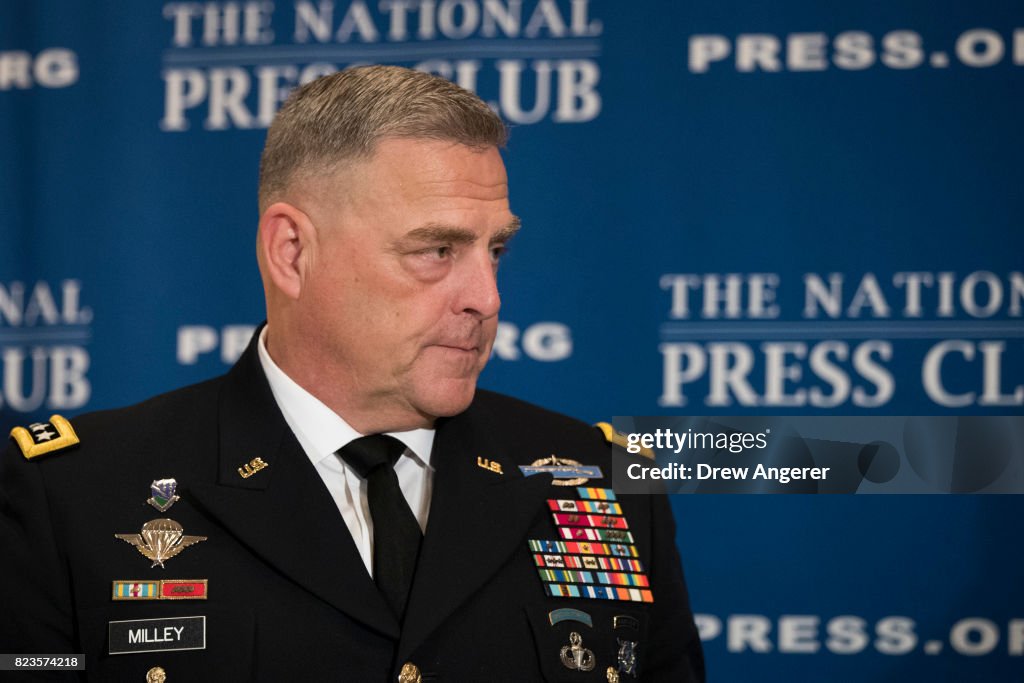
284 513
472 507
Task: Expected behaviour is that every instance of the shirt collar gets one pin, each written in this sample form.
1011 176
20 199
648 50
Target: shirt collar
320 430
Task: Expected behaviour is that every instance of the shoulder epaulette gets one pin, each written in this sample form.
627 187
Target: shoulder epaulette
44 437
619 439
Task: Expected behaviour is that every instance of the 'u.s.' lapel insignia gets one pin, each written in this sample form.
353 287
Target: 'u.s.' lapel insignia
252 467
489 465
163 494
161 539
44 437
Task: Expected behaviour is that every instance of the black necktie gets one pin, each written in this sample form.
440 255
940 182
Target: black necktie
396 533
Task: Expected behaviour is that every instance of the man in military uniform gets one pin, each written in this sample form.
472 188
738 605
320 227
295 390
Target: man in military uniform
344 504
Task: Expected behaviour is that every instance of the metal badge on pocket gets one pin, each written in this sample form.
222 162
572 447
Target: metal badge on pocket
575 656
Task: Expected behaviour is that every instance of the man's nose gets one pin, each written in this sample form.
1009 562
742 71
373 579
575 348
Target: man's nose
478 290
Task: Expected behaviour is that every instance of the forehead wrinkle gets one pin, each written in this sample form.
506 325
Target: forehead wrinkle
461 178
476 194
458 183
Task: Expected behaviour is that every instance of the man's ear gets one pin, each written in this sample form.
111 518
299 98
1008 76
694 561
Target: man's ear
285 243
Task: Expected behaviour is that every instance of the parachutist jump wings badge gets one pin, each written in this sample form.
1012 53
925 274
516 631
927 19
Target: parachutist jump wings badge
161 539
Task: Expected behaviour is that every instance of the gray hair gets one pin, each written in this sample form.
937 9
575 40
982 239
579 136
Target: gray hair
341 117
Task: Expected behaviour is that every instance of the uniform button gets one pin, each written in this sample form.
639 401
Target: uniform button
156 675
410 674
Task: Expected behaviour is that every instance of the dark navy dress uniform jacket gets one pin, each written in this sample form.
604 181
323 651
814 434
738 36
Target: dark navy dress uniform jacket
289 598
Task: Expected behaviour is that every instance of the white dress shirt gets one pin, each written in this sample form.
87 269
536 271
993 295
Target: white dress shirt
321 432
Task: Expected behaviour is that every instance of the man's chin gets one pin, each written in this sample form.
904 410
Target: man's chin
447 397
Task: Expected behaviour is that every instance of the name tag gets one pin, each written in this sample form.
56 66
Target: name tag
157 635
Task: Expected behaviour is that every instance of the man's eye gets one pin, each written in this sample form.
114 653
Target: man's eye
439 253
497 251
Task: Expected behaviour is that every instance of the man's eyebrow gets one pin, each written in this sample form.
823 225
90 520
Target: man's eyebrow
438 232
508 232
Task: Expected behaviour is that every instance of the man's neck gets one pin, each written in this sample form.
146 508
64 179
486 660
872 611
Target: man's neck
371 418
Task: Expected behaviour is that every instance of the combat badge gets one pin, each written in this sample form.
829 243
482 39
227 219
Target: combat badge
161 539
162 494
566 472
41 438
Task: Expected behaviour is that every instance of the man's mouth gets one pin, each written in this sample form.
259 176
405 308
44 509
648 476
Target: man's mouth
468 348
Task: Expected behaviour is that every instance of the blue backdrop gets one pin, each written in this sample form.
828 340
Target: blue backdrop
729 207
